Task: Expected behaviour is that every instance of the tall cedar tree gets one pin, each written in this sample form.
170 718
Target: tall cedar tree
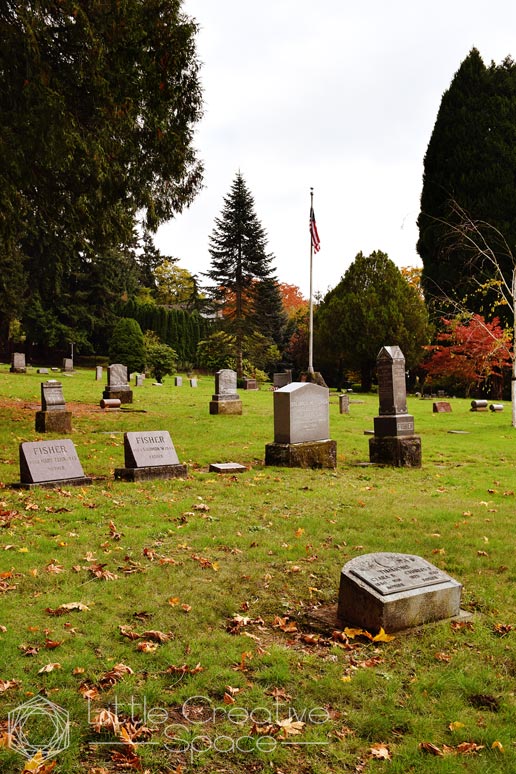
372 306
470 162
238 249
98 104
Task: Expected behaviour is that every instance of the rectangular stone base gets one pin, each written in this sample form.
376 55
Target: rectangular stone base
53 421
404 452
81 481
225 406
151 472
226 467
311 454
124 396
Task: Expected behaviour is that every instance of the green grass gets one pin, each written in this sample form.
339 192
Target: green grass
266 544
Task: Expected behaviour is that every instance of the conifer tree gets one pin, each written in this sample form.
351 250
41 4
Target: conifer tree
239 257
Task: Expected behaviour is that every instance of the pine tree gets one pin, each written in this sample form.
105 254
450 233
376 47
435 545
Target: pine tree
269 315
238 249
469 167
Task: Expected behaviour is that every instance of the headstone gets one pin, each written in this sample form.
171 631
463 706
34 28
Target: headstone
301 428
441 407
496 407
394 442
193 382
18 365
344 403
42 371
118 384
478 405
150 455
139 379
98 373
282 379
50 463
226 400
53 417
178 381
226 467
250 384
395 592
54 368
67 364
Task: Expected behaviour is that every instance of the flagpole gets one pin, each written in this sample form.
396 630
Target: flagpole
311 305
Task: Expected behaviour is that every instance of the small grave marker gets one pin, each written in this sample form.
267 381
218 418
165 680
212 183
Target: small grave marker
441 407
150 455
226 467
50 463
178 381
496 407
478 405
395 592
193 382
67 364
344 403
98 373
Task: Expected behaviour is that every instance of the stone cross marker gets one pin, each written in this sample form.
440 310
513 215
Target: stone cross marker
395 591
149 454
50 462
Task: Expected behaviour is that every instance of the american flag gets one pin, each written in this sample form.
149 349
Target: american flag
316 242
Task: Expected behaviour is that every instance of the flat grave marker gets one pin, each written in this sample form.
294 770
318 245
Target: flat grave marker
50 463
149 454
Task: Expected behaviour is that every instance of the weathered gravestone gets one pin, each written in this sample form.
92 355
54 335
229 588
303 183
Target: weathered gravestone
301 428
226 467
226 399
148 455
118 384
18 365
193 382
478 405
53 417
250 384
394 442
282 379
50 463
395 592
344 403
441 407
42 371
67 364
139 380
178 381
98 373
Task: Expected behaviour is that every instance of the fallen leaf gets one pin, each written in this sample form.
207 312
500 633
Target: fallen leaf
380 751
147 647
497 746
428 747
455 725
383 637
48 668
5 685
441 656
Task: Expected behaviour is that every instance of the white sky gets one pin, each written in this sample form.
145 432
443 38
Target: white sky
334 94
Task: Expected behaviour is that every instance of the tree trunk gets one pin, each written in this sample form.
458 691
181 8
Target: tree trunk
366 377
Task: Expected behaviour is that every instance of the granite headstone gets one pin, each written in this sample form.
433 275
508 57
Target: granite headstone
149 455
118 386
18 365
226 400
53 417
50 463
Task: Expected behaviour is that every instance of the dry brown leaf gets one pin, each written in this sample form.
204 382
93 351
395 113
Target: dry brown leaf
49 668
380 751
442 656
6 685
147 647
428 747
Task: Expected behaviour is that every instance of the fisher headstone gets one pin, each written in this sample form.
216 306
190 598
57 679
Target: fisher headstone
53 417
394 442
395 592
226 400
150 454
301 428
50 463
18 365
118 386
344 403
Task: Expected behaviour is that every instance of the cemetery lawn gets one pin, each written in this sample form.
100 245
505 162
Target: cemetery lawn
186 625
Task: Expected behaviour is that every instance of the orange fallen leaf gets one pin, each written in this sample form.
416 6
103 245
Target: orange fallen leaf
380 751
428 747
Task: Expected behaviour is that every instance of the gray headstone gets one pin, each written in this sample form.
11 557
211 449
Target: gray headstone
344 404
394 420
193 382
149 449
225 382
282 379
139 379
42 371
178 381
52 398
98 373
18 362
395 591
46 461
301 413
118 378
67 364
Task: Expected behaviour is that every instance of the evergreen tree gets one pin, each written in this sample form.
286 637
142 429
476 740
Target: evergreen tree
126 345
269 314
372 306
469 167
238 249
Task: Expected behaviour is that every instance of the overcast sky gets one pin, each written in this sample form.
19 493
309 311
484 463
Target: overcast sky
336 95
